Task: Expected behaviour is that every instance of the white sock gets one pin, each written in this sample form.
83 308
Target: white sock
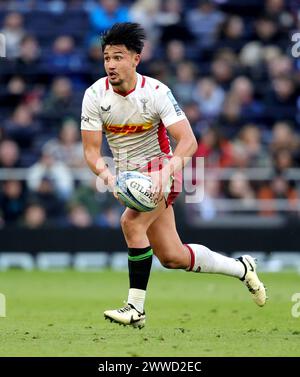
136 297
205 260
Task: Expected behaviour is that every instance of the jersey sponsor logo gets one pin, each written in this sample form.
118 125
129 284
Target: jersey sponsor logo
128 128
174 103
106 110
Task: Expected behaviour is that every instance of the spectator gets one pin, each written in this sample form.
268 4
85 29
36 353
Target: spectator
146 12
251 54
280 189
204 21
172 23
222 72
60 102
249 140
28 62
229 121
16 86
87 195
56 171
33 101
14 93
282 99
12 201
67 148
193 113
79 217
208 209
216 150
64 59
283 137
232 34
110 218
240 157
266 31
280 66
209 96
175 53
34 217
22 128
185 82
14 32
46 196
94 60
239 188
147 57
161 71
242 89
283 160
107 13
9 154
276 9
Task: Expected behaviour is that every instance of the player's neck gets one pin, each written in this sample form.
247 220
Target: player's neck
127 86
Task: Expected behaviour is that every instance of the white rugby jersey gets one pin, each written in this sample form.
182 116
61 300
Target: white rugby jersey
135 122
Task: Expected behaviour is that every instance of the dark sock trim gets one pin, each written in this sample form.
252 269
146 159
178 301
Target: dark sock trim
146 255
135 252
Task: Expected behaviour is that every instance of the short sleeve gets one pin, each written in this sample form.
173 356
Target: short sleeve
167 107
90 117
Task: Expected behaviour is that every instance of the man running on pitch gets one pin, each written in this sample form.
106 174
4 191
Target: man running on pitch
136 114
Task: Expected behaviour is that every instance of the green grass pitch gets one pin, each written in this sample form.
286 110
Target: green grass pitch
61 314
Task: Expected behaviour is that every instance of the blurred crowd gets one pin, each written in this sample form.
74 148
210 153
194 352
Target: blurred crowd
228 62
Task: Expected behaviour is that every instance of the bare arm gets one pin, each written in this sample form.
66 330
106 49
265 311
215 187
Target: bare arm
92 141
186 145
178 127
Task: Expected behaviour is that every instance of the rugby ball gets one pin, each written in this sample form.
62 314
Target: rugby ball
134 189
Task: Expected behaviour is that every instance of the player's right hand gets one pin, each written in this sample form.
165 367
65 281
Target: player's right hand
115 194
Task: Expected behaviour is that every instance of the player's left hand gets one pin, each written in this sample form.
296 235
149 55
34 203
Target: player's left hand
160 180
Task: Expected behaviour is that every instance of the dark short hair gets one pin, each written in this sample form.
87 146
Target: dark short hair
130 34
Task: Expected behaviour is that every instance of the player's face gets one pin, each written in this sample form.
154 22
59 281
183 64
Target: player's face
120 64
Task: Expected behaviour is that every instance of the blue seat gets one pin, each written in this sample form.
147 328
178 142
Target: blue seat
41 23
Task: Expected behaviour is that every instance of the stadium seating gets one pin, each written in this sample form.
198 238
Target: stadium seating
223 61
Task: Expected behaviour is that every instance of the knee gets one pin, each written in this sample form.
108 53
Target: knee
127 224
124 221
169 262
130 226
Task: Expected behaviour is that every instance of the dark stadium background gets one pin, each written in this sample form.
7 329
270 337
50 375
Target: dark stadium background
231 68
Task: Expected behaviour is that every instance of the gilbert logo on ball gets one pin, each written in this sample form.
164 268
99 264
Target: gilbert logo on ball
134 190
2 46
2 305
143 191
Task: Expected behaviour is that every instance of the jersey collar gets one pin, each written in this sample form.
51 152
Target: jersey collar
140 82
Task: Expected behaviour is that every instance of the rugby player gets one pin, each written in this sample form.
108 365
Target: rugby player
137 113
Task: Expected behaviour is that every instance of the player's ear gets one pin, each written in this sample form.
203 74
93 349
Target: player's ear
137 59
